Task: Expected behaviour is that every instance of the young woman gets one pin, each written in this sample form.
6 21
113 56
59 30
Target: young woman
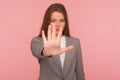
58 53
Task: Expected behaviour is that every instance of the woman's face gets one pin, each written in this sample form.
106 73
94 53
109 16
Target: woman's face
57 19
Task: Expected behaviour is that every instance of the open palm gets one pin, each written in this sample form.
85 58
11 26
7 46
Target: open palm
52 42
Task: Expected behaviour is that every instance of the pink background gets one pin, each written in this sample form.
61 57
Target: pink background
95 22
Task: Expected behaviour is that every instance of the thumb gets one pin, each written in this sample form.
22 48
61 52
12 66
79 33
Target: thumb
66 49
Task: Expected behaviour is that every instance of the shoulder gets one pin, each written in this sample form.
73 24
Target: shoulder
36 39
73 40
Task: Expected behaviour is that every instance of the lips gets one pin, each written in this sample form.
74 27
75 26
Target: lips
57 29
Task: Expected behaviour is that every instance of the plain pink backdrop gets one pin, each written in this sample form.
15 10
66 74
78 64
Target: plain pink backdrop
95 22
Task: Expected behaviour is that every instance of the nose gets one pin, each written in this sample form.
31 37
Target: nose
57 24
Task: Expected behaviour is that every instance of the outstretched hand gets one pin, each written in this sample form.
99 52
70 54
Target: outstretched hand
52 42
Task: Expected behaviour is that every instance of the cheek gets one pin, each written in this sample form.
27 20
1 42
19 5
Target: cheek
52 23
63 25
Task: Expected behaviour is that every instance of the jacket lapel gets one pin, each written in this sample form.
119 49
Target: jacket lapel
68 56
57 61
67 61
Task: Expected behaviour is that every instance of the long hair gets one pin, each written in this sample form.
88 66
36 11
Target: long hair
56 7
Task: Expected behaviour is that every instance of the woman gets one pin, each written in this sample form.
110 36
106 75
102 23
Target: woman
58 53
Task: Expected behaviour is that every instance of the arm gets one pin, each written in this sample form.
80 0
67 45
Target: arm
37 47
79 63
51 44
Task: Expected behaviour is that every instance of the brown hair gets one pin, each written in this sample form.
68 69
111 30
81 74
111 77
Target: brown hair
47 18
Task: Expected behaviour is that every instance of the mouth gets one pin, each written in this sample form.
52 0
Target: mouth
57 29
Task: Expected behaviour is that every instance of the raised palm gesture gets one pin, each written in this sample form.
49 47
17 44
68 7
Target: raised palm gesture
52 42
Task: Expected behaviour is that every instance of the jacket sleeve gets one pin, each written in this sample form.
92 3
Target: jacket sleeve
37 47
79 64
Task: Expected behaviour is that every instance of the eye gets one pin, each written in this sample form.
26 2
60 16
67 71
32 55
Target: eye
53 20
62 20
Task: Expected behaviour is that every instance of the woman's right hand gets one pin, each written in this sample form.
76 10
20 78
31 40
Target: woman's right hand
52 42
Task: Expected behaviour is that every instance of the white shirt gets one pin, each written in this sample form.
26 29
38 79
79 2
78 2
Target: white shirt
62 45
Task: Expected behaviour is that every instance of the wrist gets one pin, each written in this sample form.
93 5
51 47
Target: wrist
45 53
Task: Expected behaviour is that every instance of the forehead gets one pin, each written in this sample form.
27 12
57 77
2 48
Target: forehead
57 15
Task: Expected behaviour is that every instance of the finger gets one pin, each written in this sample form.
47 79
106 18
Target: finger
60 33
53 31
66 49
43 36
49 32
